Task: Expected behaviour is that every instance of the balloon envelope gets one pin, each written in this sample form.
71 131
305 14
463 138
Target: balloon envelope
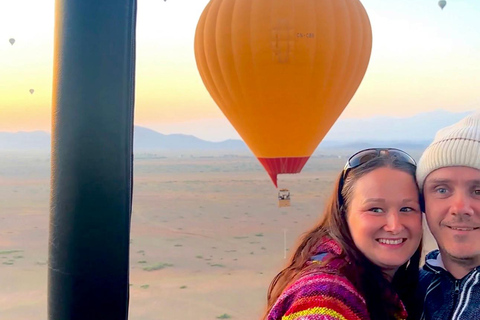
442 4
12 41
31 91
282 71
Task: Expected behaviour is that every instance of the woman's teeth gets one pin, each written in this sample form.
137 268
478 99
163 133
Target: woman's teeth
390 241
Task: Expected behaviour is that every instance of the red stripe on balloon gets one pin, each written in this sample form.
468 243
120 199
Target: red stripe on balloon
275 166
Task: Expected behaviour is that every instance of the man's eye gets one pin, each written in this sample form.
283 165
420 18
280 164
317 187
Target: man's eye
441 190
477 192
376 210
407 209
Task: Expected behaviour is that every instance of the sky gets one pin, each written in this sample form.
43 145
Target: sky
423 59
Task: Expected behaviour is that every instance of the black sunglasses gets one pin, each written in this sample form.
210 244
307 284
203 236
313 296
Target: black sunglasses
363 156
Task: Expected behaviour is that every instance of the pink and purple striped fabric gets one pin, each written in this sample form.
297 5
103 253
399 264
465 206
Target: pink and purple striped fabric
322 296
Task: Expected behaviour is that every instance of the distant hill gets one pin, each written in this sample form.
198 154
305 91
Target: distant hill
408 133
34 140
147 139
419 128
144 140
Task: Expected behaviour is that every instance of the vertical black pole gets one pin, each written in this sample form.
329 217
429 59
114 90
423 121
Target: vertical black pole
92 137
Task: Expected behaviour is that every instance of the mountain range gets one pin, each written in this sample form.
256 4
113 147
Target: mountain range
412 132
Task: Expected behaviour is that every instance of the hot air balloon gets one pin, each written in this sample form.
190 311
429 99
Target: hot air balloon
12 41
31 91
282 71
442 4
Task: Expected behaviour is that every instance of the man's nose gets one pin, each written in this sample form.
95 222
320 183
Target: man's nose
461 204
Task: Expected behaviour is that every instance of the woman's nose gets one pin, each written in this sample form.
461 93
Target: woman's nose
393 223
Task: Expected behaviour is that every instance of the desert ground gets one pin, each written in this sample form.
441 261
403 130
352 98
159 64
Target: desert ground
207 233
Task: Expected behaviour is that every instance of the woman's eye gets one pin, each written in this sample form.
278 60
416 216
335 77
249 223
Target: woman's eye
407 209
376 210
477 192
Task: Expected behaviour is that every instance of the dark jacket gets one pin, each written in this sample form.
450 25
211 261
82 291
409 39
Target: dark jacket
447 298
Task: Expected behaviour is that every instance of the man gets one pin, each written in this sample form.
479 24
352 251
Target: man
448 175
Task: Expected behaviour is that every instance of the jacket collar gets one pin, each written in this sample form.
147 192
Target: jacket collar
434 262
329 250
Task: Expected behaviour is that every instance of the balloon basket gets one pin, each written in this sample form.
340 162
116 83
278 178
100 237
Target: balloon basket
283 198
283 203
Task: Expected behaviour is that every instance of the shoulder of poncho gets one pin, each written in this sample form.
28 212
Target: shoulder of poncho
325 283
320 295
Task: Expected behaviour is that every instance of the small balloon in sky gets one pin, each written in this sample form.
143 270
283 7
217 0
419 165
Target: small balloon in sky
12 41
31 91
442 4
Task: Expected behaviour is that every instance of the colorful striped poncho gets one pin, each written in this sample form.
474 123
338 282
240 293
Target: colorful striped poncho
320 295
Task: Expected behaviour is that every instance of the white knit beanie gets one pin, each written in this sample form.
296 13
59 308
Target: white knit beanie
456 145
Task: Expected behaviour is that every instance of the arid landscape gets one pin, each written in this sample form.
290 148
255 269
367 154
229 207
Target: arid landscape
207 234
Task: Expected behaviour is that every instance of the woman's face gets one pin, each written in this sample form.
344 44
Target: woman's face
384 217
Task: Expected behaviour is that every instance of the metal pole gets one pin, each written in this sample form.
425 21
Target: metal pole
92 147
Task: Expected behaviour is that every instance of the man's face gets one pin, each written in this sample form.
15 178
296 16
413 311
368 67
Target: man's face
452 207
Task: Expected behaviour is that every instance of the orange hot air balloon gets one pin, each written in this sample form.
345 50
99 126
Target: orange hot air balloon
282 71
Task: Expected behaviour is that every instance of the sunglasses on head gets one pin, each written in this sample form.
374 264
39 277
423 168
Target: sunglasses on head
363 156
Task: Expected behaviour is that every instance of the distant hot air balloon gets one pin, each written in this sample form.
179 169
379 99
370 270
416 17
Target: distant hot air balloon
282 71
442 4
31 91
12 41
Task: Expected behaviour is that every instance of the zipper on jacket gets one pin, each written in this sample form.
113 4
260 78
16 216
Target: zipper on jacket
455 296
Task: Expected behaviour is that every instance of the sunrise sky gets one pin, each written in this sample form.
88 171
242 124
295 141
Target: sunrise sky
422 59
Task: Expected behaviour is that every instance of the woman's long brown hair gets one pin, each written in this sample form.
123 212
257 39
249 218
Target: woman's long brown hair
365 275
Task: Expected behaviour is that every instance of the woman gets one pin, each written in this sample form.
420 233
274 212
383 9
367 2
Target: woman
361 261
